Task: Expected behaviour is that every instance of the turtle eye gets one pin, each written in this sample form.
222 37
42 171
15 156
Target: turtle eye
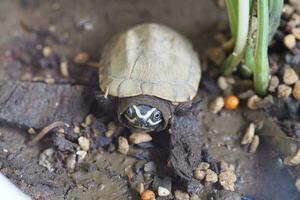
129 112
156 116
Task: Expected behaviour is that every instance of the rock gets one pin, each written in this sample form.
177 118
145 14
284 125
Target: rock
31 131
290 76
211 176
247 94
47 51
274 82
222 83
227 180
47 160
71 162
296 32
248 136
150 167
297 184
226 167
199 174
84 143
139 137
265 102
289 41
254 144
284 90
81 58
140 188
252 102
293 160
216 105
123 146
226 195
195 197
76 129
88 120
111 128
81 155
64 69
180 195
296 90
163 192
47 103
204 165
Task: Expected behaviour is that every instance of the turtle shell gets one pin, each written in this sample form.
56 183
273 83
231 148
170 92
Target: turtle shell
150 59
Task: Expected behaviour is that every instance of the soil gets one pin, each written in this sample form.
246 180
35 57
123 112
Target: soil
34 85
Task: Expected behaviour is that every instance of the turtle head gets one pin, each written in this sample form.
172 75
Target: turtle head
143 117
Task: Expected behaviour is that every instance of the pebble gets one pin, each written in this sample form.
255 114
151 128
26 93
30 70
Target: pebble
111 128
248 136
216 105
254 144
296 33
180 195
288 10
204 165
148 195
252 102
222 83
84 143
265 102
64 69
216 55
47 51
289 41
199 174
88 120
297 184
211 176
123 146
76 129
46 159
246 94
81 155
81 58
290 76
163 192
284 90
140 188
293 160
139 137
227 180
150 166
31 131
71 162
195 197
296 90
274 82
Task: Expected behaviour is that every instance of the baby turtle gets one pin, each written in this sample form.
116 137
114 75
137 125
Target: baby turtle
153 71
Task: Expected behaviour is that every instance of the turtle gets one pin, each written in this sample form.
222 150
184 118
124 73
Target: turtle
152 70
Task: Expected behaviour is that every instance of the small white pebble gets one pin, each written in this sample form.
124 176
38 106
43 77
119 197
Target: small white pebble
289 41
297 184
252 102
284 90
211 176
274 82
139 137
47 51
81 58
293 160
254 144
222 83
248 136
84 143
123 146
111 128
140 188
199 174
180 195
227 180
216 105
163 192
81 155
31 131
296 90
64 69
290 76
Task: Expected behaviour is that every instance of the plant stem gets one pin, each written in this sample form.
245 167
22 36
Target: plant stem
241 36
276 7
232 10
261 69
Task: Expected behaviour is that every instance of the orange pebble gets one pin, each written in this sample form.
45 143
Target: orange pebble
148 195
231 102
